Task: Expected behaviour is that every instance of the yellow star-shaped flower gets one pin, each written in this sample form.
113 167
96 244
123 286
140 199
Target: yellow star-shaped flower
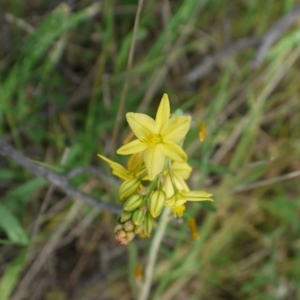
158 138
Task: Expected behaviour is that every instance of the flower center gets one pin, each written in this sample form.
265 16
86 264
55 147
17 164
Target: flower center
153 139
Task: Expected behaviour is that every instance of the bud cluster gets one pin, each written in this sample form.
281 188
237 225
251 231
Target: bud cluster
141 206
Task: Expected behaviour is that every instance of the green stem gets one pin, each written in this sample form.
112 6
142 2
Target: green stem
145 289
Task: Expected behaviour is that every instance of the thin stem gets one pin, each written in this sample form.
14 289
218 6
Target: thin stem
58 180
144 292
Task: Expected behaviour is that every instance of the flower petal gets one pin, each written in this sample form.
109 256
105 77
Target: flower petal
154 159
133 147
163 112
197 196
118 170
182 170
174 152
168 187
180 184
134 162
175 201
176 129
141 124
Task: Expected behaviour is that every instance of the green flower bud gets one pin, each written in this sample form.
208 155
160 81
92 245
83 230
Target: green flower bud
148 223
138 216
133 202
138 229
128 187
156 203
125 216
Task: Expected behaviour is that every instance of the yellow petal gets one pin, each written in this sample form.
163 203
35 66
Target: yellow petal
154 159
118 170
171 202
176 129
141 124
182 170
174 152
175 201
133 147
180 184
196 196
168 187
163 112
135 161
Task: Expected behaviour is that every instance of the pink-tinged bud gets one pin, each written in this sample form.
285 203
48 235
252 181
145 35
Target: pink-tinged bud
162 179
156 203
123 237
130 235
118 228
144 191
121 234
128 187
148 223
128 226
133 203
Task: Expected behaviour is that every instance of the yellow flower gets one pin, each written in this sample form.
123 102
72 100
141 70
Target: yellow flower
179 198
180 172
157 138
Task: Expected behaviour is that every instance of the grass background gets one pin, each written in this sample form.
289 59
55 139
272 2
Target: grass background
62 74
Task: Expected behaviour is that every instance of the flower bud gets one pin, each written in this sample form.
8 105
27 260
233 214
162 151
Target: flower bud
121 234
128 187
138 229
118 228
128 226
124 233
156 203
130 236
148 223
125 216
138 216
133 202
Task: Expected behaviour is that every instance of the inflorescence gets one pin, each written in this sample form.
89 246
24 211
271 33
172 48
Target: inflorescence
156 172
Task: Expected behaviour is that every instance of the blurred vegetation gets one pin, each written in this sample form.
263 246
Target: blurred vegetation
63 68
